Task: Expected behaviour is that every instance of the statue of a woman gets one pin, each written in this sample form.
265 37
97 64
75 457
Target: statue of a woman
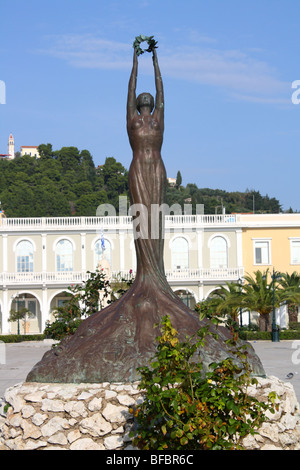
147 174
111 344
147 185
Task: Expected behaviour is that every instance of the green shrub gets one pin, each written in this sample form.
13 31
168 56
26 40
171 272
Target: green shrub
255 335
294 325
84 300
289 334
184 408
21 338
61 327
267 335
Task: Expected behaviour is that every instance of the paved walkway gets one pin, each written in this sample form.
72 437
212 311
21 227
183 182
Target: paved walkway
281 359
278 359
19 358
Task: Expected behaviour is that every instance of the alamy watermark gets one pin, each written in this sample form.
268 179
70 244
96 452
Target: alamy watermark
2 92
296 94
296 353
148 222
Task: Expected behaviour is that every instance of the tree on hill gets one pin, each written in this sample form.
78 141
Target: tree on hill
178 180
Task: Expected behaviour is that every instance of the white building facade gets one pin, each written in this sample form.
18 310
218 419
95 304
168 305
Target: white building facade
40 258
30 150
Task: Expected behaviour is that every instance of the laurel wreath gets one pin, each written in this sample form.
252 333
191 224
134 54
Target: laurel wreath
150 41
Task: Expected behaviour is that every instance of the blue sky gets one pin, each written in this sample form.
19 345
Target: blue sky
227 67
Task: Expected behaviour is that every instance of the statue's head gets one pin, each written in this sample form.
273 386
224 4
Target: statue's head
145 99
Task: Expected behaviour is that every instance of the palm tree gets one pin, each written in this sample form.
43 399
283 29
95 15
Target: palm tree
290 284
224 301
257 296
230 299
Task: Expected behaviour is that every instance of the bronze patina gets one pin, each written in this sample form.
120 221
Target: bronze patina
110 345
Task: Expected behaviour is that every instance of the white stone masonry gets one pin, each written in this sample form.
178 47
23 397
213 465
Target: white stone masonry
97 417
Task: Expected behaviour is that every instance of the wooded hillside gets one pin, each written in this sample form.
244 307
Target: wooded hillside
66 182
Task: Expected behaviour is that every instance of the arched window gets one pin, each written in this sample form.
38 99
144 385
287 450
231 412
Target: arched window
180 253
218 253
102 250
64 256
25 257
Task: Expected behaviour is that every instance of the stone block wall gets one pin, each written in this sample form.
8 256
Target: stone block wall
97 417
68 416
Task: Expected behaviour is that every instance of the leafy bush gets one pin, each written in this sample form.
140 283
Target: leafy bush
84 300
184 408
21 338
294 325
267 335
62 327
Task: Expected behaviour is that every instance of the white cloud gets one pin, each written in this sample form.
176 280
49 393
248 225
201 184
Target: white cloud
87 51
238 72
232 70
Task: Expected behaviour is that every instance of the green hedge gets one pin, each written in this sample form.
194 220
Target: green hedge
267 335
21 338
293 325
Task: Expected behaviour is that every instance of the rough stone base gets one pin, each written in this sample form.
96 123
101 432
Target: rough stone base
96 417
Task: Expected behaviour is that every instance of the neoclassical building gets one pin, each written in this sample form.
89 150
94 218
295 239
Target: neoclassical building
41 257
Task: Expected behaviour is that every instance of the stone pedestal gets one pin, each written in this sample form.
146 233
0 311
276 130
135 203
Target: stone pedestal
68 416
97 417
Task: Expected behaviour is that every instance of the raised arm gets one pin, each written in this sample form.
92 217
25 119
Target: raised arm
131 98
159 99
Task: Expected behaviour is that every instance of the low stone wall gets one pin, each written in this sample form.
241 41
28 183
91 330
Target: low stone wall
97 417
68 416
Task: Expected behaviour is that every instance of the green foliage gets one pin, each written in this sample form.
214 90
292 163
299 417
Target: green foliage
152 44
83 300
21 338
186 409
289 334
214 199
222 306
178 180
259 293
119 285
65 182
23 314
294 326
61 183
65 324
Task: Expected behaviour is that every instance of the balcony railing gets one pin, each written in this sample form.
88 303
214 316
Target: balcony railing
125 222
76 277
205 274
108 222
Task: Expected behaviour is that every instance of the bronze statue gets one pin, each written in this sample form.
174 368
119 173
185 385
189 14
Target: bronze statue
110 345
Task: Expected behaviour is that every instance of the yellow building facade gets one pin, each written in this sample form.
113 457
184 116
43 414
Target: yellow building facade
271 241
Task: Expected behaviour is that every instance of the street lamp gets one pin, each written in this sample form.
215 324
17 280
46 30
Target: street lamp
275 330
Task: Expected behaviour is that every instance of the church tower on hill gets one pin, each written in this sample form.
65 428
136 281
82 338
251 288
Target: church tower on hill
11 147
